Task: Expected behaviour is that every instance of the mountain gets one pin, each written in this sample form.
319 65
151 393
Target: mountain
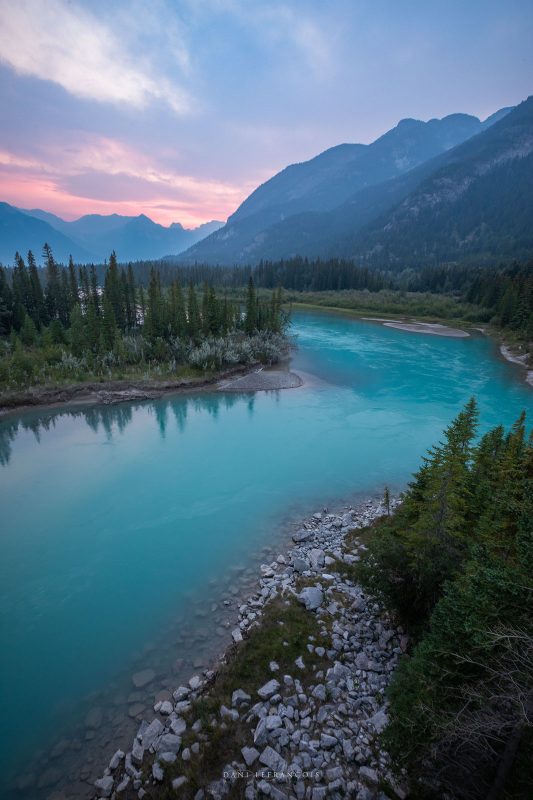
132 238
477 202
21 232
306 206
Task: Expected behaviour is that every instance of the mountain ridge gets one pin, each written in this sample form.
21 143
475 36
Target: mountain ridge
301 209
92 237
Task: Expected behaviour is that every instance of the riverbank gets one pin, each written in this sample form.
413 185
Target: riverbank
520 358
295 708
123 391
511 352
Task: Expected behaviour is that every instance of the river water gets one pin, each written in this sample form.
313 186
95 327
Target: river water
128 533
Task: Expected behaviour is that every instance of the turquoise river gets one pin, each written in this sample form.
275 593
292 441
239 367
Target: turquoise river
124 528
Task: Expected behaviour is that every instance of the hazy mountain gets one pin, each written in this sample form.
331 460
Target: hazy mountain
19 231
94 236
476 202
297 211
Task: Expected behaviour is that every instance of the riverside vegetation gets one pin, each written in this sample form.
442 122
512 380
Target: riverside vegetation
319 697
61 325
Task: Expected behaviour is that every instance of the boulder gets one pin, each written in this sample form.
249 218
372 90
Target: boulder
302 536
151 733
238 697
168 743
273 760
104 786
300 565
116 759
316 557
312 597
250 755
268 689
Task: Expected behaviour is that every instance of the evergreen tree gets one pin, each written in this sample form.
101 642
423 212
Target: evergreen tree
53 288
109 330
93 291
38 303
250 319
78 333
28 331
73 284
178 313
193 315
6 304
113 291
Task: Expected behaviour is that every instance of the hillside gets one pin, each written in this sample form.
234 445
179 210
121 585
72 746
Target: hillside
478 202
307 208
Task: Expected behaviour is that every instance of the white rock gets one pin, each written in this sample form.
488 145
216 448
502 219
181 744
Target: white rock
238 697
154 729
195 682
312 597
104 786
268 689
229 713
250 754
273 760
116 759
273 721
178 726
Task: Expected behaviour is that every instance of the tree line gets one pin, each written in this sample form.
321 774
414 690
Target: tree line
455 562
74 321
503 294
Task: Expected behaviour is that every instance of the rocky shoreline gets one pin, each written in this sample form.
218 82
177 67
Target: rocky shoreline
523 359
306 733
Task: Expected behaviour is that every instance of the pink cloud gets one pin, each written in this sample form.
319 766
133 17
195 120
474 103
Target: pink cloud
104 176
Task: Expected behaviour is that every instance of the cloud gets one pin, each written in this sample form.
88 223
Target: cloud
103 175
309 35
58 41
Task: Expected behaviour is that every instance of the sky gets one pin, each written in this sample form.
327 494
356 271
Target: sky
178 109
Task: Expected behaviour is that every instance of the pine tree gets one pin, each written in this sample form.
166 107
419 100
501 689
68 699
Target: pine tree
113 290
132 298
78 331
250 319
193 315
93 328
109 330
53 289
6 304
73 284
38 303
28 331
93 291
177 311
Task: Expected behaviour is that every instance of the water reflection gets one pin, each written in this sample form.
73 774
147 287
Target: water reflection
113 419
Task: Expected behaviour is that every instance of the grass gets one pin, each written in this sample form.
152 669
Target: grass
393 304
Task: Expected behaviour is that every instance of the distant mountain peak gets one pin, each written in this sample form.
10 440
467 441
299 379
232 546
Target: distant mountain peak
93 237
